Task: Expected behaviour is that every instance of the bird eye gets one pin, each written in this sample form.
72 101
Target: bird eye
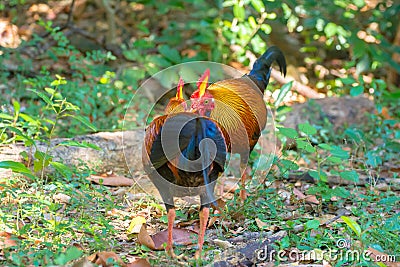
206 101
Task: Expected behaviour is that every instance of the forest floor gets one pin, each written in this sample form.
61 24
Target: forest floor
349 216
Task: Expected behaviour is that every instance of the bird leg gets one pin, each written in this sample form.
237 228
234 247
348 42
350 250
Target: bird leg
171 218
243 193
204 214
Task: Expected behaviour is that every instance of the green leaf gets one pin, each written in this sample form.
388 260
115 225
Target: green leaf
341 192
357 90
6 116
60 80
325 146
164 219
50 90
252 22
282 93
42 96
306 146
393 146
314 174
170 53
318 175
17 107
373 159
350 176
24 155
359 3
289 165
28 141
79 144
352 224
84 120
330 29
72 253
53 92
239 12
348 80
389 200
42 160
354 134
17 167
258 5
307 128
313 224
339 152
334 159
288 132
363 65
62 169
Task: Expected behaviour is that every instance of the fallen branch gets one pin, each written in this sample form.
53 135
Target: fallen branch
118 151
300 88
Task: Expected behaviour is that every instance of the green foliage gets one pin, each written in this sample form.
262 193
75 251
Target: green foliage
99 86
96 96
20 126
43 222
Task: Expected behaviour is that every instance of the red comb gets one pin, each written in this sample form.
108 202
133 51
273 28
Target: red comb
179 89
205 75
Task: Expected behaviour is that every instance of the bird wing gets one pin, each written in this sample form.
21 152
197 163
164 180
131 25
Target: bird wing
164 132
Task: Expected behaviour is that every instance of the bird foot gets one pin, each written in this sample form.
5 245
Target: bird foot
170 252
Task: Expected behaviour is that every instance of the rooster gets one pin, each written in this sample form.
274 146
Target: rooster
180 160
238 105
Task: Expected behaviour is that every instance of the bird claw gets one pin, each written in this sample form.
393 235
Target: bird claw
170 252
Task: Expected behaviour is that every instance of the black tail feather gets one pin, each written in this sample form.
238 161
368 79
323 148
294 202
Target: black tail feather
262 67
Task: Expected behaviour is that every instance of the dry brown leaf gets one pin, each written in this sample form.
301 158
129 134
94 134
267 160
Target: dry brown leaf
156 241
180 236
326 218
102 259
136 225
139 263
7 240
298 194
187 223
84 262
222 243
217 212
308 198
61 198
9 36
378 256
145 239
111 181
312 199
231 185
260 223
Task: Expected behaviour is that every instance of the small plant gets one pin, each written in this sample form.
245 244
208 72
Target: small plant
22 125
